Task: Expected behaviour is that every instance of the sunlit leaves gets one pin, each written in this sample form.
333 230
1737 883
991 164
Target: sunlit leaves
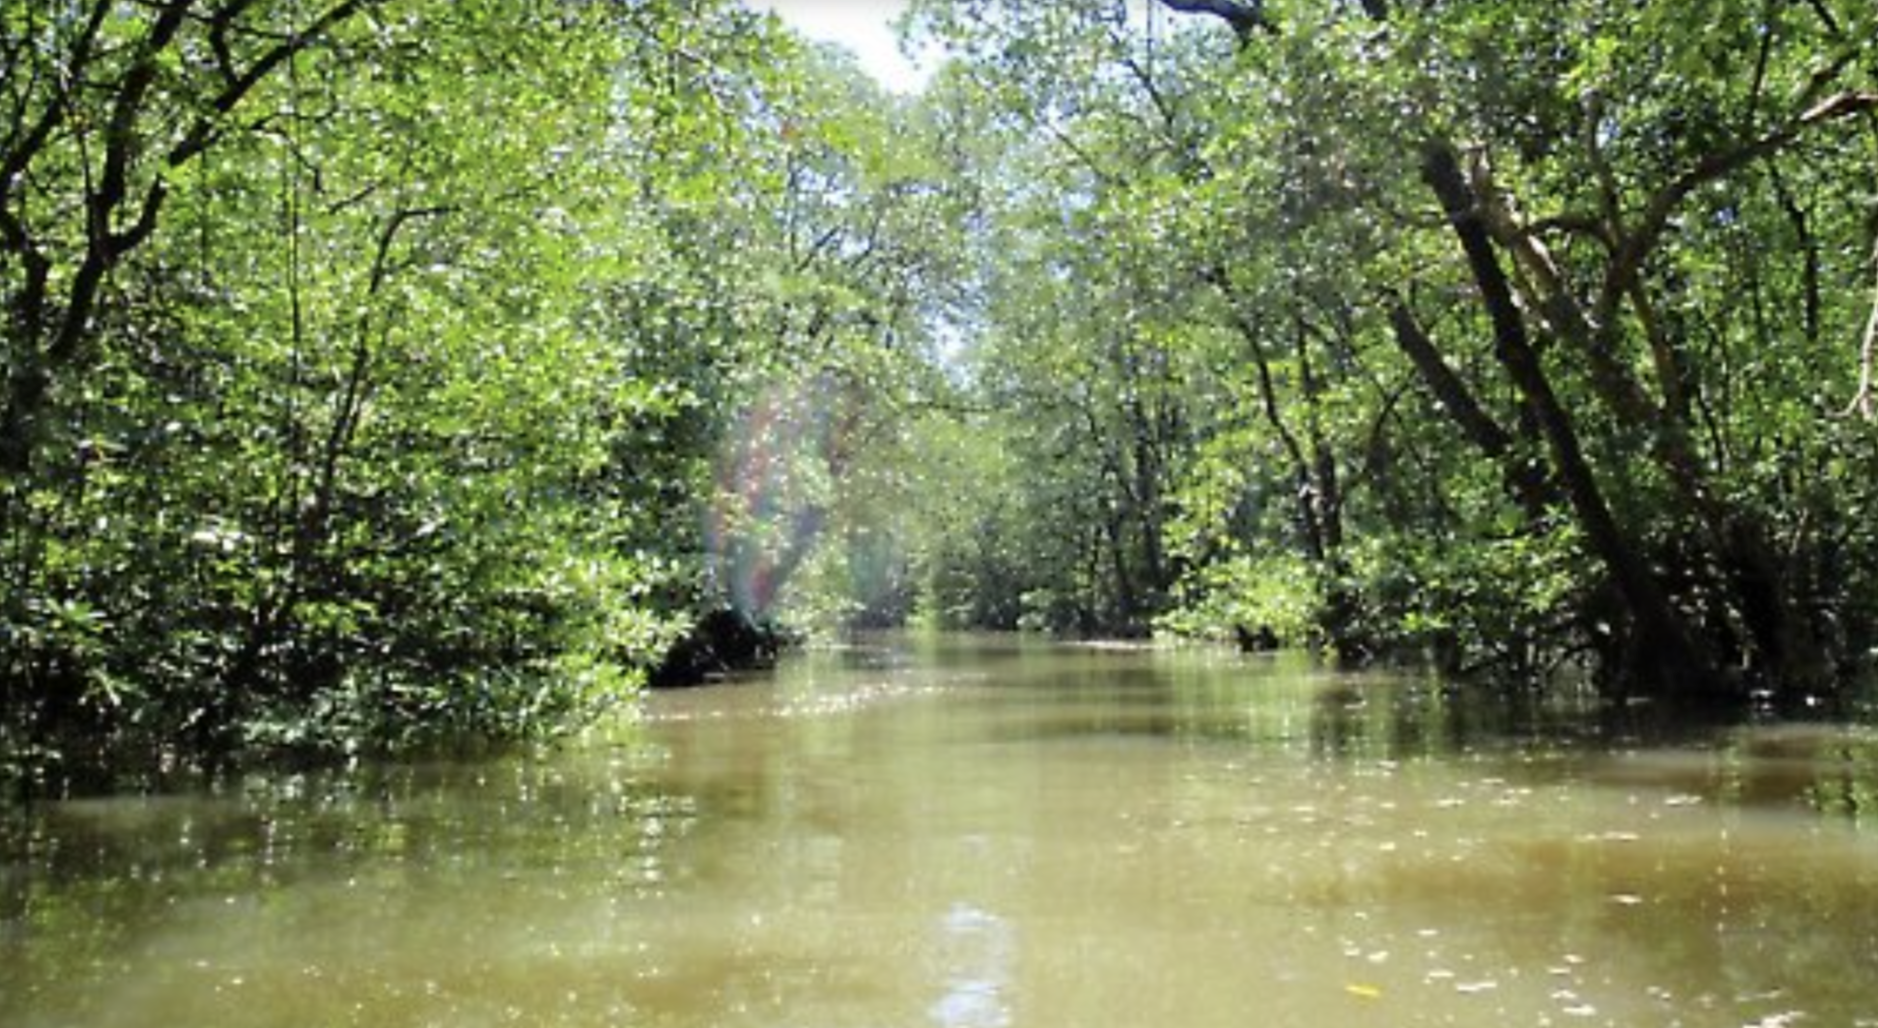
1255 213
374 453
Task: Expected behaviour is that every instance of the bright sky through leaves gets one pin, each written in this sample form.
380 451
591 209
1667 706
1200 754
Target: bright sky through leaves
863 27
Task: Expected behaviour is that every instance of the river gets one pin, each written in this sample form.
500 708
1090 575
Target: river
968 833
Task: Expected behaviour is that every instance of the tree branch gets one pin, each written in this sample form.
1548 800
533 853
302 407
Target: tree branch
1245 16
1527 484
1639 243
28 382
21 153
1660 626
202 133
1863 403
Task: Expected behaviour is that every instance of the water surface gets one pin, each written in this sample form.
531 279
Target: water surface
982 833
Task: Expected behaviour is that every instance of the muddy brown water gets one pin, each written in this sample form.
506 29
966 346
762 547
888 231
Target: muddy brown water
966 833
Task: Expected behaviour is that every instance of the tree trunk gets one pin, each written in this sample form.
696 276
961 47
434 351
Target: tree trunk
1669 658
1525 483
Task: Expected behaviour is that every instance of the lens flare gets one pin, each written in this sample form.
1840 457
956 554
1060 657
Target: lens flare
776 482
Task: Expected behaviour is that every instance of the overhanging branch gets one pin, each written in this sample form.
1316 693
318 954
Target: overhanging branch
1245 16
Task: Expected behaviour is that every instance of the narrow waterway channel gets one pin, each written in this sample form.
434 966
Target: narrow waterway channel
974 833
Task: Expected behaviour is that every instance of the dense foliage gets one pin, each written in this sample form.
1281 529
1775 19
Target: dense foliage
1513 334
368 363
382 370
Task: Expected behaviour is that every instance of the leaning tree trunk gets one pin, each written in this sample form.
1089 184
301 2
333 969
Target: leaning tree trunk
1668 657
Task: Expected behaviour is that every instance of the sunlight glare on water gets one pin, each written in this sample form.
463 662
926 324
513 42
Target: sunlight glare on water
986 835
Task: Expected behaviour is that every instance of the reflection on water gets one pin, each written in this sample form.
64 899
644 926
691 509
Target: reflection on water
977 947
988 833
